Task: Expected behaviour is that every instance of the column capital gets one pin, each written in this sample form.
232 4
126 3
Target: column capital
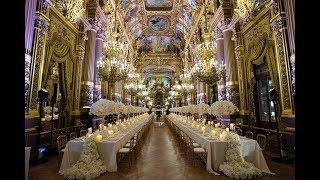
100 34
95 24
218 34
278 25
224 24
42 24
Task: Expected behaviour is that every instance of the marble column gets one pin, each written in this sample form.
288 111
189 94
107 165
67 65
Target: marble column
232 86
87 85
98 57
30 13
289 7
208 93
38 49
221 85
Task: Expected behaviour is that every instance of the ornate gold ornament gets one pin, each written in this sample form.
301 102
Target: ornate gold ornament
73 10
244 8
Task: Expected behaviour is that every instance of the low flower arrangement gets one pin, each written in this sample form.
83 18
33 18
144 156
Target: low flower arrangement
202 109
235 165
223 108
89 166
48 110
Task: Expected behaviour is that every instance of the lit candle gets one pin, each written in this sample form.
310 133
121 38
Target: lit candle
216 125
104 127
213 132
100 126
110 133
203 129
231 126
98 138
221 137
89 130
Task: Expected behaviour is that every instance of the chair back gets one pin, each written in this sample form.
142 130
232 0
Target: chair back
72 135
262 140
83 132
61 142
239 131
249 134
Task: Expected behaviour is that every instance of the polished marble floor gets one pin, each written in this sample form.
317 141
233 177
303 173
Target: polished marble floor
160 159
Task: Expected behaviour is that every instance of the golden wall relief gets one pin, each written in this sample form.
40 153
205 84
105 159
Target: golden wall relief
257 45
60 56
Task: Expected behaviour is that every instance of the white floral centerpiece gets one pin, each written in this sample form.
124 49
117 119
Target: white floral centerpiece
122 108
100 108
89 165
223 108
235 166
202 109
48 113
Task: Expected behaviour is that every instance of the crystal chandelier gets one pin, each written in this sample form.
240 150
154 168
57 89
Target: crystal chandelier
114 66
207 69
186 84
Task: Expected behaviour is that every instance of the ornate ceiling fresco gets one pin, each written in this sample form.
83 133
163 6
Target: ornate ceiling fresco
158 29
158 25
158 5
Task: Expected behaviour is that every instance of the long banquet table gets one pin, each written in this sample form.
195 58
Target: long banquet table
216 149
107 148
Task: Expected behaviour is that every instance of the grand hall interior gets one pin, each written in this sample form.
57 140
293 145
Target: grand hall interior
159 89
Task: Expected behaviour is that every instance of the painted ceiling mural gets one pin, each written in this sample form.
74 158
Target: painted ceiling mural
157 44
159 26
158 23
154 5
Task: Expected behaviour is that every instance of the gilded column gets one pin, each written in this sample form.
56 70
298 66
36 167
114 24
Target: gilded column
239 55
232 86
80 50
38 52
278 26
87 84
221 84
98 57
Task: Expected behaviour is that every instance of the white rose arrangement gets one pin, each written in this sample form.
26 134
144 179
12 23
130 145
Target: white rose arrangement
235 165
223 108
89 166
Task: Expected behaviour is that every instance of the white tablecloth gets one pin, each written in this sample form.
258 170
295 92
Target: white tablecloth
107 149
251 150
26 161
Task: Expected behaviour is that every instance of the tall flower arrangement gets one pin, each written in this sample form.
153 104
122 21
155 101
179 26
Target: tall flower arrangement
223 108
235 166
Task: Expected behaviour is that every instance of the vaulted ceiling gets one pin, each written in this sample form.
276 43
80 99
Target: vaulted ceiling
158 29
158 26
